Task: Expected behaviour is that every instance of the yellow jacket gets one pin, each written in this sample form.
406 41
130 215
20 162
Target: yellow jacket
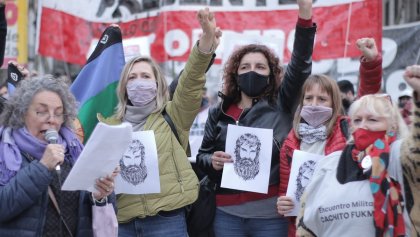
178 182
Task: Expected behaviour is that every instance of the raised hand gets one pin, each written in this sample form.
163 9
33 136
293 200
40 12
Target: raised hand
412 77
211 33
368 48
305 9
216 41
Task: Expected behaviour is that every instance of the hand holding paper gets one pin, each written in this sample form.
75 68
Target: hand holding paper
285 205
100 156
105 185
303 166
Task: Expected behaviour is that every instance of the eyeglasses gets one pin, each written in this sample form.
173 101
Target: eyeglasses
46 116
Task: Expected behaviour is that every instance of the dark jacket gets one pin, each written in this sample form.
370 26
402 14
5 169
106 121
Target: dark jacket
276 116
24 201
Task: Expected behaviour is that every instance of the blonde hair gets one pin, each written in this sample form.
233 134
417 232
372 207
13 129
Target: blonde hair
381 105
328 85
162 86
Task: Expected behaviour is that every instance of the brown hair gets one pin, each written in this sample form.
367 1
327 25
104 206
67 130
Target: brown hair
327 85
230 87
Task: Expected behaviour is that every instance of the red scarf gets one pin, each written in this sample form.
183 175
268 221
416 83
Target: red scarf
388 200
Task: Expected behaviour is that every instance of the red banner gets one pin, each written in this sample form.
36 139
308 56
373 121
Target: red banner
67 37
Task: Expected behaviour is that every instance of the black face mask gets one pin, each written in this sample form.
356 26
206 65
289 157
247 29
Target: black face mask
252 83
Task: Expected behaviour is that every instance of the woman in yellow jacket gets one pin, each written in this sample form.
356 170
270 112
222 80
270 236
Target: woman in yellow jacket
143 95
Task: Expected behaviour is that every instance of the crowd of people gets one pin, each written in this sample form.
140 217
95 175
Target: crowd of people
366 182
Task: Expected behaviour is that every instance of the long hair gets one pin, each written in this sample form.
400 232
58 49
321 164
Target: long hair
16 107
381 105
328 85
162 86
230 75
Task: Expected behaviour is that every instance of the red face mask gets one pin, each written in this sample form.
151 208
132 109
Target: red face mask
363 138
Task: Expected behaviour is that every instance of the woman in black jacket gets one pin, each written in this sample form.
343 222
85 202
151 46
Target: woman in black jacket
256 95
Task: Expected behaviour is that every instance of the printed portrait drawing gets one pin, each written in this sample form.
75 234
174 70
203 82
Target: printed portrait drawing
306 171
247 151
133 167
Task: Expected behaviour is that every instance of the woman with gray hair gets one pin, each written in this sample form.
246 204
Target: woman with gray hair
28 159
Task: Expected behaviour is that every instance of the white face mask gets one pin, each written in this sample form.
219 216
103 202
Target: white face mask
141 91
316 115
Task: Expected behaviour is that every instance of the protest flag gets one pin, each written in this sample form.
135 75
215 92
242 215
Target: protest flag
95 86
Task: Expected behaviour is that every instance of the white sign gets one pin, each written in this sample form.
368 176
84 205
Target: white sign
303 166
251 150
139 166
99 157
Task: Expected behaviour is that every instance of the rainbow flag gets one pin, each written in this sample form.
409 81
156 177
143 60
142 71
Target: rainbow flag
95 86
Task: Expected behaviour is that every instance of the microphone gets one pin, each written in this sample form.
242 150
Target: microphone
51 135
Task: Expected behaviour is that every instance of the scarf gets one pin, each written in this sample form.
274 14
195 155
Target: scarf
15 141
137 115
387 196
310 134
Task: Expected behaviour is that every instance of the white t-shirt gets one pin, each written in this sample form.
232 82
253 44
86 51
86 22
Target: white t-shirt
334 209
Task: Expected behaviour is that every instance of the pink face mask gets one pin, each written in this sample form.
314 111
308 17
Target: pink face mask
141 92
316 115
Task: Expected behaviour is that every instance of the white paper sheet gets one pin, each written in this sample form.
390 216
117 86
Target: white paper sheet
139 166
251 149
99 157
303 166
